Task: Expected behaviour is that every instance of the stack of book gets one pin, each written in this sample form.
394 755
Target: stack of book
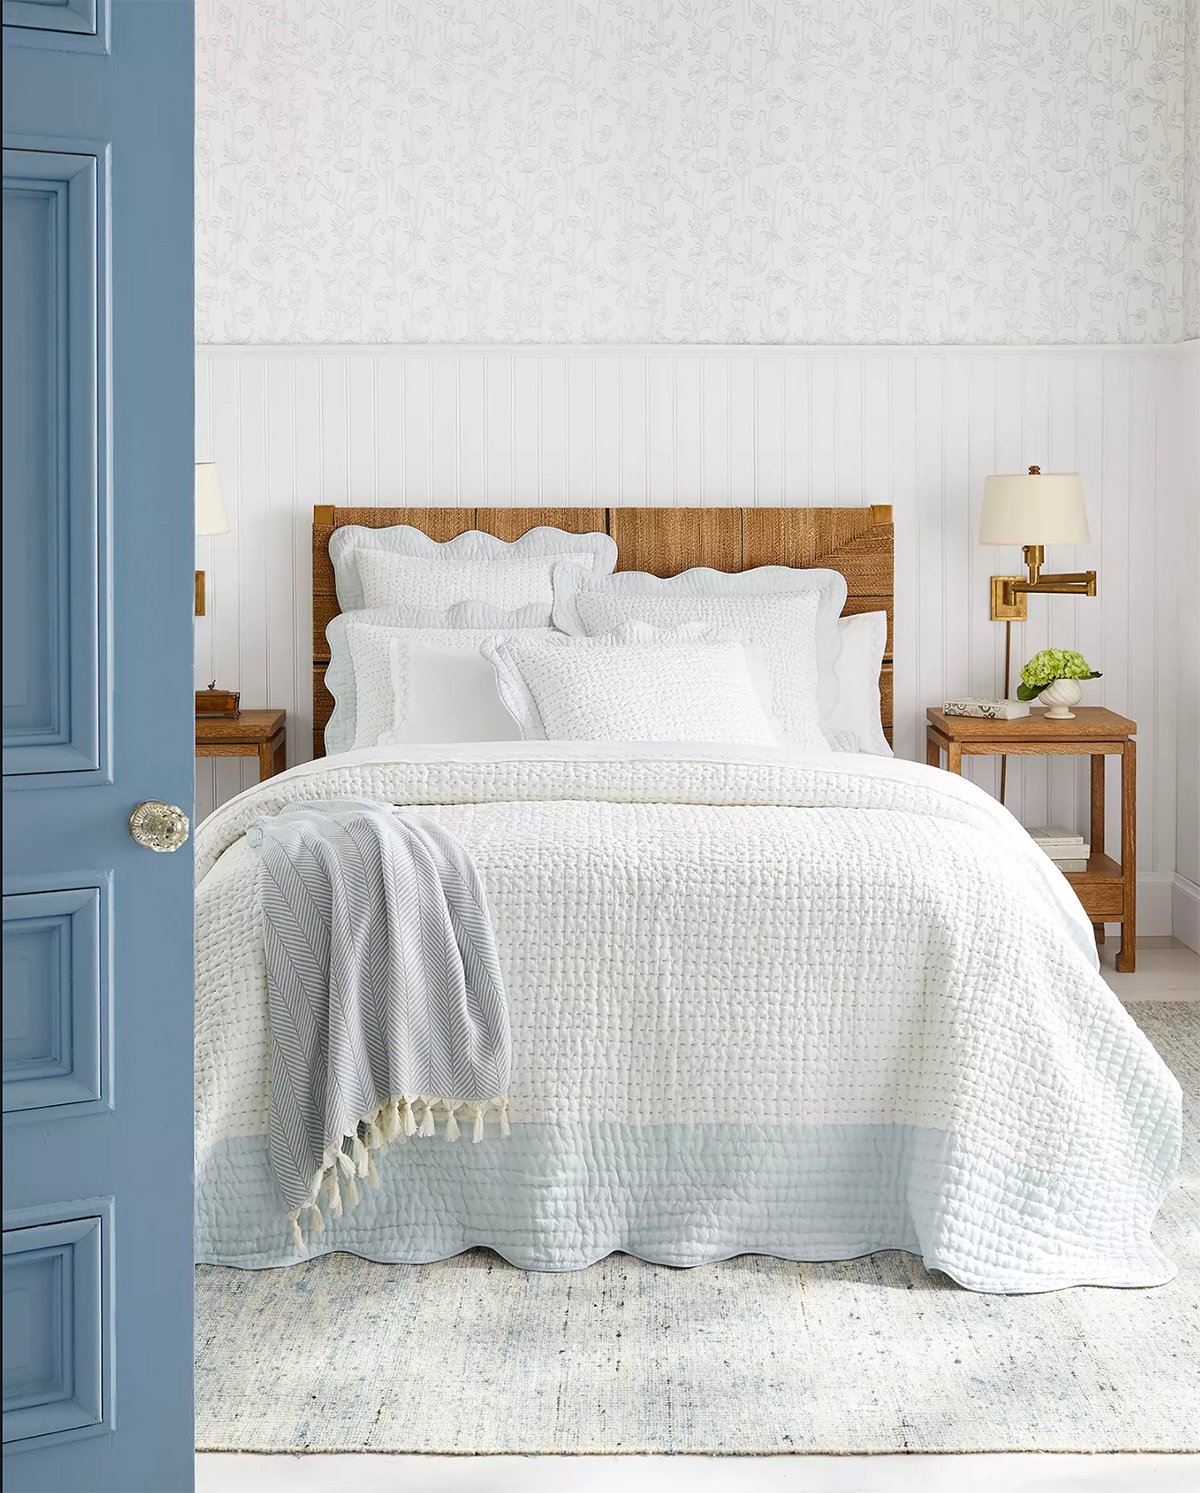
1068 851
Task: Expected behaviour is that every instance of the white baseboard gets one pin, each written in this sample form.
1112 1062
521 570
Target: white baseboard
1185 911
1156 896
1154 904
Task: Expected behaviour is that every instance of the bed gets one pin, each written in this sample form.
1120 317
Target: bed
804 1004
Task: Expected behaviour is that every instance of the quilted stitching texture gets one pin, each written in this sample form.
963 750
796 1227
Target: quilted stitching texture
887 957
783 626
411 580
613 688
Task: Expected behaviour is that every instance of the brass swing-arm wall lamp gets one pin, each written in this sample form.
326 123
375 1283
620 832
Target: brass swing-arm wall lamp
1048 510
1018 509
211 518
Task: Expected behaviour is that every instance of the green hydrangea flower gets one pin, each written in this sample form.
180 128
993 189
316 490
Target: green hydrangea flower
1051 664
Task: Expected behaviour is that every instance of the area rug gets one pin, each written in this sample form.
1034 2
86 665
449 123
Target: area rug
751 1356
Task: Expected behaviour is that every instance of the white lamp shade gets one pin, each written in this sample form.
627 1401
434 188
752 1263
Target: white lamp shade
1040 508
211 517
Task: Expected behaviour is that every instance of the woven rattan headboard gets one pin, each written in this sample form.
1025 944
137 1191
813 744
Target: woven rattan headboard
664 541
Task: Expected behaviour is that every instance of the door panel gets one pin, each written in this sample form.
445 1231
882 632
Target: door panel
56 1338
78 25
52 489
55 999
98 715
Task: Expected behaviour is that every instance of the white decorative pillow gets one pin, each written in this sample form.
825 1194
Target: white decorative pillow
400 566
637 683
790 615
364 669
856 724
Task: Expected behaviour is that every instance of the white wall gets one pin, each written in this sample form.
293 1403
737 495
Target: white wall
1185 418
1184 413
560 182
802 171
291 427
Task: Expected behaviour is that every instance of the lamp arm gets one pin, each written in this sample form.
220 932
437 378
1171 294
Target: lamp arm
1069 583
1009 591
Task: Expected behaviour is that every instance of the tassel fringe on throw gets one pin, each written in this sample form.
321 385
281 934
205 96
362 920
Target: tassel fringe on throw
393 1122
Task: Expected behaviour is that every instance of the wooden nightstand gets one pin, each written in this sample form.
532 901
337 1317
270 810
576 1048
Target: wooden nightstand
253 733
1108 890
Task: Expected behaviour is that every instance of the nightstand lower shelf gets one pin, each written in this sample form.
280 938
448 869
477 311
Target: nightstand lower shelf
1107 888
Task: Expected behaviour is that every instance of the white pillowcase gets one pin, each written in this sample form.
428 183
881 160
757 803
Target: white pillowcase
445 690
398 693
637 683
401 566
856 724
790 615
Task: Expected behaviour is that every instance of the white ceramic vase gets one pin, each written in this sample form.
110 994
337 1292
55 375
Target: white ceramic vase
1060 696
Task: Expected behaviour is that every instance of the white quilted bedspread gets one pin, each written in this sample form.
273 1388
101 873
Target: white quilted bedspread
833 977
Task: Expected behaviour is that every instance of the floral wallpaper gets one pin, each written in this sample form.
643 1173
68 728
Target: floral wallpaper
806 171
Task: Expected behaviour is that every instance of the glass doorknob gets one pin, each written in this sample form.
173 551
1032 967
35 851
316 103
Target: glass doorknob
158 826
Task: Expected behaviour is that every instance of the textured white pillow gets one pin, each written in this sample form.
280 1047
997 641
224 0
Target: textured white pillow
362 675
855 725
637 683
790 615
401 566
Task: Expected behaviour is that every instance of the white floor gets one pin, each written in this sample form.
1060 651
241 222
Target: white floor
1166 971
981 1474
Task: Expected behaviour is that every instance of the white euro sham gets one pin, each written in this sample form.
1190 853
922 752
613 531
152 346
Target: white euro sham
789 615
401 566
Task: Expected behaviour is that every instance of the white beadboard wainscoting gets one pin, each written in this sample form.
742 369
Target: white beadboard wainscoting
1185 907
917 428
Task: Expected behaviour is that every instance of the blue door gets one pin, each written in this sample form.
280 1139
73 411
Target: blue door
97 686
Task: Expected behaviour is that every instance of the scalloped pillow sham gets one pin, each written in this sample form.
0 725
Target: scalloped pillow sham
636 683
403 674
401 566
856 724
790 615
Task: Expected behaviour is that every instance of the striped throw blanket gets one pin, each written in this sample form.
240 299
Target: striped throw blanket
386 1004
